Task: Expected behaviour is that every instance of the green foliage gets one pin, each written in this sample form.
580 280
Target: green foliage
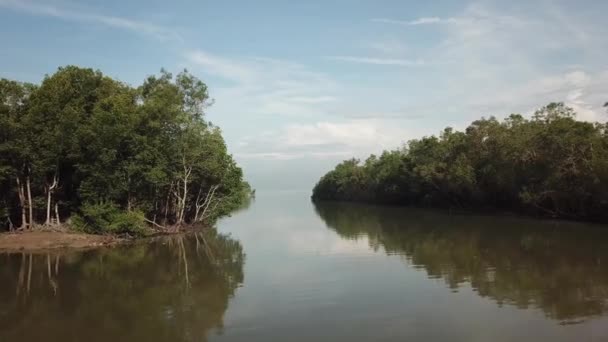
548 165
107 218
82 137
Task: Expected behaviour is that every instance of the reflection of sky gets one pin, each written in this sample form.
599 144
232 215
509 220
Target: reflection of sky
304 282
291 229
311 240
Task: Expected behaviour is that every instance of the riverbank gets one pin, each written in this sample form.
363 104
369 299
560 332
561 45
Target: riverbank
35 241
62 238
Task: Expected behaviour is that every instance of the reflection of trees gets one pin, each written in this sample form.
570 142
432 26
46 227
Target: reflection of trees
173 289
526 263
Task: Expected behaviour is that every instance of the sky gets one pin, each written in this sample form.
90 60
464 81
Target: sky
300 85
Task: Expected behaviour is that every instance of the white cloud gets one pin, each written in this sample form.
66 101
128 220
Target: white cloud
487 62
495 62
292 155
418 21
425 20
352 133
378 61
42 9
576 89
328 139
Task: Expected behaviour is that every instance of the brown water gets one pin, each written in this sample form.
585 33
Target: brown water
287 270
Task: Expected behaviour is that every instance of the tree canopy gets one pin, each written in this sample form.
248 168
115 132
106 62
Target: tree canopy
110 155
550 164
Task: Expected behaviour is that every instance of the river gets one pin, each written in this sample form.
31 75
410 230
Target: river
285 269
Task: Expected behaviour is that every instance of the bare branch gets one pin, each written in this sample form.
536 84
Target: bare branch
155 224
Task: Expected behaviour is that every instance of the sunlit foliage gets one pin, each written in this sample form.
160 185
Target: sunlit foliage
550 165
82 141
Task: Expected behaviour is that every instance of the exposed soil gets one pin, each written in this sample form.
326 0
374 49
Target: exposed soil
33 241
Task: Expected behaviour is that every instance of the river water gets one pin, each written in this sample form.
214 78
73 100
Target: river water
288 270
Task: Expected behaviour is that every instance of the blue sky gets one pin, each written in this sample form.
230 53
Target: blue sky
301 85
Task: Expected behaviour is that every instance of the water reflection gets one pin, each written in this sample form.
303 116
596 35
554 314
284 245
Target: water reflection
558 268
171 289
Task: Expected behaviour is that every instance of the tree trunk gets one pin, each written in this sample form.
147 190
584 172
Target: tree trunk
129 202
196 203
29 201
209 202
198 216
155 207
57 221
178 201
184 195
11 227
21 192
167 203
48 207
183 200
49 197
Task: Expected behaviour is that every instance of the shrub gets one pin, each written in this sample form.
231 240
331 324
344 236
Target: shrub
107 218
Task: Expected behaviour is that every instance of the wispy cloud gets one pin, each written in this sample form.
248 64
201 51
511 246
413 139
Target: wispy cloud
514 62
141 27
264 86
388 47
222 66
378 61
350 133
425 20
418 21
485 62
313 99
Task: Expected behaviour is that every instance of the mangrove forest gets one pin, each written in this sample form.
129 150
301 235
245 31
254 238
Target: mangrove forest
548 165
105 156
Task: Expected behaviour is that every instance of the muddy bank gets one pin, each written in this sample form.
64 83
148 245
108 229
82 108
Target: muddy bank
42 241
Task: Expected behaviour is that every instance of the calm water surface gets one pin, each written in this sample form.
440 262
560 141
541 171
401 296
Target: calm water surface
287 270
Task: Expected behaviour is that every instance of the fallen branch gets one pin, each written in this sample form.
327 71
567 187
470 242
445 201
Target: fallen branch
155 224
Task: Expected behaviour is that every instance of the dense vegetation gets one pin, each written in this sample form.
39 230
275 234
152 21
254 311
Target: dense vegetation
510 260
550 164
112 157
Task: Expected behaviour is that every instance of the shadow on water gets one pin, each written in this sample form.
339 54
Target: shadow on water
171 289
560 268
